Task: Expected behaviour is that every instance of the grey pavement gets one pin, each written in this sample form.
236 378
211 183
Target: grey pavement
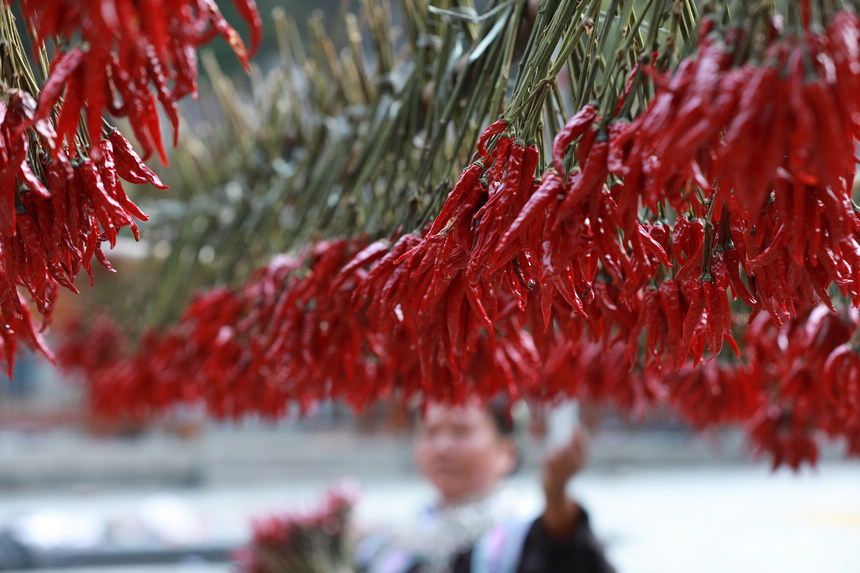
662 502
703 519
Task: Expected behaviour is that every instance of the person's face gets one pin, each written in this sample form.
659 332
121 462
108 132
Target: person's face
460 450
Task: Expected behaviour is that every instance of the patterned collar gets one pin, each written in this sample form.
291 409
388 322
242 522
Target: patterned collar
443 531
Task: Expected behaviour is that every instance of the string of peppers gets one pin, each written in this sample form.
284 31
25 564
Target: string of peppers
654 225
62 167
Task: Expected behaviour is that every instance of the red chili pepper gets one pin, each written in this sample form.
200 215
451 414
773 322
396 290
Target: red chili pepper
586 141
63 66
802 136
247 10
92 240
692 319
156 75
717 320
652 323
129 165
628 87
531 155
185 77
488 221
98 58
32 182
101 258
842 36
108 172
59 274
8 193
834 142
703 86
763 170
566 287
574 128
620 140
735 153
58 173
70 113
532 213
491 131
590 182
221 27
35 277
437 288
652 246
109 212
367 256
383 268
773 250
461 194
720 111
732 265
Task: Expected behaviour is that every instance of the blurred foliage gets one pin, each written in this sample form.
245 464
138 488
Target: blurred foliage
300 10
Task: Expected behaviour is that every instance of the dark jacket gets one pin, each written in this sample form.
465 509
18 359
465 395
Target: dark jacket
543 553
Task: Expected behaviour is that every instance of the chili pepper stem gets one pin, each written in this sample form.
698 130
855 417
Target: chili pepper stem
708 244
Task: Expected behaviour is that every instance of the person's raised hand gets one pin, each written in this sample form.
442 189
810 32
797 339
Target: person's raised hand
565 462
559 466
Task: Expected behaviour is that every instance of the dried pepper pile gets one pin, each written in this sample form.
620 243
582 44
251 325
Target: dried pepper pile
312 541
62 167
702 252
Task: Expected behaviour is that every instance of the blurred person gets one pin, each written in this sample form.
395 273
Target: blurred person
466 452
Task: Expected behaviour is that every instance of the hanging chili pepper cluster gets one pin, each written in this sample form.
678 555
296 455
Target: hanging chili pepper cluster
216 356
61 186
130 55
228 349
290 334
808 367
697 150
618 274
435 288
755 151
53 224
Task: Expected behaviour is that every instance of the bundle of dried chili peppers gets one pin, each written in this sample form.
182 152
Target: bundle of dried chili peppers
696 150
217 357
61 185
53 224
312 541
751 152
129 55
808 369
617 274
289 335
